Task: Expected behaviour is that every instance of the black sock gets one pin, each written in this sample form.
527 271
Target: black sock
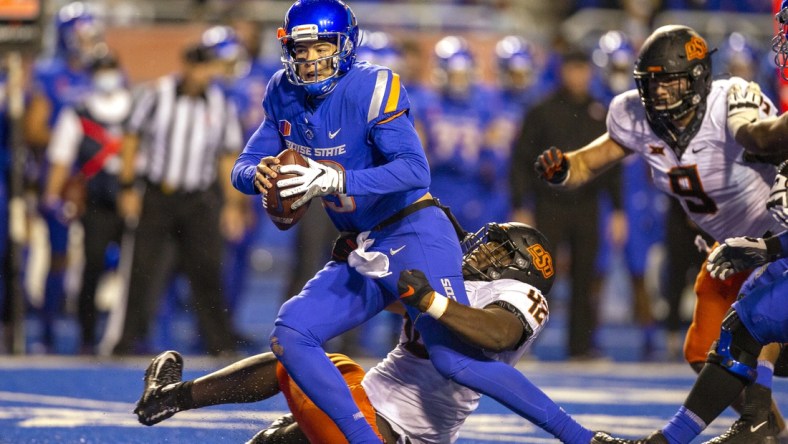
714 390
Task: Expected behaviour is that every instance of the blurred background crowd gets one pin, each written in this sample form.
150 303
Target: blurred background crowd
492 83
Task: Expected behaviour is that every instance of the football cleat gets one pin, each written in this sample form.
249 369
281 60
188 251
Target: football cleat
604 438
747 430
274 433
159 401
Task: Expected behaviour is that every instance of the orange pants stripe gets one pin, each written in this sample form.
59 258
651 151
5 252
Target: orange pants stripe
315 424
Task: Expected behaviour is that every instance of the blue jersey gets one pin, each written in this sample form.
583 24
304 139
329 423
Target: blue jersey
248 92
61 85
465 168
361 127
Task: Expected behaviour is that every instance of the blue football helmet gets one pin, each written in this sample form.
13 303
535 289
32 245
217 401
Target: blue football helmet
326 20
516 59
615 58
779 42
455 65
79 34
224 42
379 48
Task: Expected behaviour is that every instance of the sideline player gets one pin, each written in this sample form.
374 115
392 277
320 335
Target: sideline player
678 120
351 121
507 272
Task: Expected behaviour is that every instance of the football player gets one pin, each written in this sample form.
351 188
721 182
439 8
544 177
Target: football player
678 121
507 270
59 80
465 166
366 163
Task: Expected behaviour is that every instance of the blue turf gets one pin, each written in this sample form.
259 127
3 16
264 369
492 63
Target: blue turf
62 400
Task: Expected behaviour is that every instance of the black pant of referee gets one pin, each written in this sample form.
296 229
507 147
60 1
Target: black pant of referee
190 221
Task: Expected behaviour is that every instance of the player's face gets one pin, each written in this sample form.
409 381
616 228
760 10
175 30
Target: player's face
483 257
320 53
667 92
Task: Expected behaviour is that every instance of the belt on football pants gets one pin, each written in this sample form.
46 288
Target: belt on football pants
420 205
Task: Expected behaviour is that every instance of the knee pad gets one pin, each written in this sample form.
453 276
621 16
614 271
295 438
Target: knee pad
283 337
736 350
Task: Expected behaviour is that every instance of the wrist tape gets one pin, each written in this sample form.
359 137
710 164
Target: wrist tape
438 306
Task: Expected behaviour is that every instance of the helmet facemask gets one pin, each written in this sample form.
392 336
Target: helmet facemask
485 259
318 76
780 44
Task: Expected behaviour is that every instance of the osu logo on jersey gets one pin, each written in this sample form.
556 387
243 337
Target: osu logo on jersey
696 48
542 260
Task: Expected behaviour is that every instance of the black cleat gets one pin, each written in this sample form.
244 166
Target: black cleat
746 430
603 438
279 432
158 401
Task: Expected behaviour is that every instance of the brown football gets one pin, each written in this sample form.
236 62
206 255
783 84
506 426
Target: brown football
278 208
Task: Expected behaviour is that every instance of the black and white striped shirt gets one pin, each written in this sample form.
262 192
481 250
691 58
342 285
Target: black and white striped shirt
182 137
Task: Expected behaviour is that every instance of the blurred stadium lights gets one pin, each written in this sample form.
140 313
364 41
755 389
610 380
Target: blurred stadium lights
426 14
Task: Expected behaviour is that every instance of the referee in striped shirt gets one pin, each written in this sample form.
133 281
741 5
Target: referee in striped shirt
184 136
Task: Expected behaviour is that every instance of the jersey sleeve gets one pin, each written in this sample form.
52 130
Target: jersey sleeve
618 122
144 106
66 137
529 305
391 131
389 98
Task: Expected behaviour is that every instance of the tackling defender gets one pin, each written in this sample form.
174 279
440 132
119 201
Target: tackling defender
682 124
508 269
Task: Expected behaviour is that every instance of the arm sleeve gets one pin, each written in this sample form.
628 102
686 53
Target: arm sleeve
390 130
144 106
406 165
66 137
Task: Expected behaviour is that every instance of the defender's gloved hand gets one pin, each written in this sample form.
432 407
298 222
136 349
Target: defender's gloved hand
737 254
414 289
743 106
552 166
314 181
778 197
343 246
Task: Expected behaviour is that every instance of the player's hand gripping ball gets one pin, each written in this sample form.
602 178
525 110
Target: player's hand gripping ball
277 207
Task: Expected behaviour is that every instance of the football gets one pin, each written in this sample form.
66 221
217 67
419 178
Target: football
277 208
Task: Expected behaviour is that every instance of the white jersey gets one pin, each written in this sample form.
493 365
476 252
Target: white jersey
420 403
721 192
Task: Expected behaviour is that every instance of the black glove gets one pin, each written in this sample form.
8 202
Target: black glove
343 245
552 165
413 287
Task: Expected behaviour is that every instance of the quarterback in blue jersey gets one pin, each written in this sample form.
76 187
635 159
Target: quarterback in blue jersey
351 121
